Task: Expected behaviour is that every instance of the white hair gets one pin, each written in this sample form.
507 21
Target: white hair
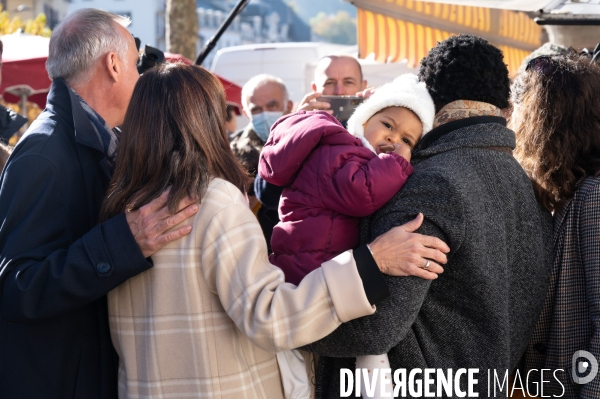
258 81
80 40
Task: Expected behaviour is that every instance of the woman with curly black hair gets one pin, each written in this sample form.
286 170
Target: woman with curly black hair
481 311
466 67
557 121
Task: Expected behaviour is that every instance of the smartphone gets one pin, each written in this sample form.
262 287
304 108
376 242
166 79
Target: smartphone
342 106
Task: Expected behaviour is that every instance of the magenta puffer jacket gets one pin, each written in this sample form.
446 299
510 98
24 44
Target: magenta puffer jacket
333 181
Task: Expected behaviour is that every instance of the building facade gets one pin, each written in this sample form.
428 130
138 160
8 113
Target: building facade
147 16
55 10
261 21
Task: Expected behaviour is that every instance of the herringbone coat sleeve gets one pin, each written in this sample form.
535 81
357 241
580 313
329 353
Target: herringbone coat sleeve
589 241
395 315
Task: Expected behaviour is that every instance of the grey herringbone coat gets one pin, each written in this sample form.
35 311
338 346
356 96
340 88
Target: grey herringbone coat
482 310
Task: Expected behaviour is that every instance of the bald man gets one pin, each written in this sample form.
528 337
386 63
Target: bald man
335 75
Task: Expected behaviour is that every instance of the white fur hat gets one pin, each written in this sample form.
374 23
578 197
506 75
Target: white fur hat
405 91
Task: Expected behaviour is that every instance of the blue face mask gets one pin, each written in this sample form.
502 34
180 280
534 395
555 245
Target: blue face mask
262 123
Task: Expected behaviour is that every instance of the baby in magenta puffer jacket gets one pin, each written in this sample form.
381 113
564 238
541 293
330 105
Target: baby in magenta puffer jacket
336 176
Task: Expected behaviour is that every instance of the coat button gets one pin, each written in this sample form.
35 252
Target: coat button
102 267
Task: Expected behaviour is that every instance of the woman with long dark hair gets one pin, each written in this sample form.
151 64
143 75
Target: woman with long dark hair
207 319
557 122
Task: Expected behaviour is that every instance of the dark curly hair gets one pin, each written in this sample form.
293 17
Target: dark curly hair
556 118
466 67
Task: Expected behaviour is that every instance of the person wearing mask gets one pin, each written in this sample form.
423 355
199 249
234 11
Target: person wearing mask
335 75
264 100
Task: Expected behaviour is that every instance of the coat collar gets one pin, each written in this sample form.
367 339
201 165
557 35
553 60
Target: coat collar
462 109
63 101
251 135
475 132
65 104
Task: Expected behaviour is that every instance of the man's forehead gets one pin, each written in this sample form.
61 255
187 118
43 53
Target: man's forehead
339 67
267 92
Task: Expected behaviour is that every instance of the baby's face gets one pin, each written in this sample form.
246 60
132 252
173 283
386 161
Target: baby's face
394 125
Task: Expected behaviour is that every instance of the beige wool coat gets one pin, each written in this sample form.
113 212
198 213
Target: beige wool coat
207 319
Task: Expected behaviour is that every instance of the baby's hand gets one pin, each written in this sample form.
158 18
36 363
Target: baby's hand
403 150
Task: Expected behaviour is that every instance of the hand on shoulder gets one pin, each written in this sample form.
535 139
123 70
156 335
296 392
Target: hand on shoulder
402 252
151 223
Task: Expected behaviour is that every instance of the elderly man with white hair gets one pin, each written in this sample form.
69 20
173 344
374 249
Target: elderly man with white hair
56 261
264 99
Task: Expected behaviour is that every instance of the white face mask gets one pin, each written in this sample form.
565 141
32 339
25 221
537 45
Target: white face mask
263 122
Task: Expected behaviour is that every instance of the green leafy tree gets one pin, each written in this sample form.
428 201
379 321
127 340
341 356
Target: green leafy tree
339 28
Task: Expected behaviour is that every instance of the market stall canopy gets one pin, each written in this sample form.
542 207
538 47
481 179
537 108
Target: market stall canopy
24 70
393 30
555 9
23 57
516 5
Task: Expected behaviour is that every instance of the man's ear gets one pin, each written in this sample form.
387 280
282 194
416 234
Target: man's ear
289 108
364 84
113 67
313 87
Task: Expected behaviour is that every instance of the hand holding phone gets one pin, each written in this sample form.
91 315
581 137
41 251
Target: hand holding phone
342 106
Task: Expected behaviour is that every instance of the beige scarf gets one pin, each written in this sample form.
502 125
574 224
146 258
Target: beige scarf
461 109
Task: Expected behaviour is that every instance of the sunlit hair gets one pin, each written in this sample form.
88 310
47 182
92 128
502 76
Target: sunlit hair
258 81
79 41
556 119
465 67
173 136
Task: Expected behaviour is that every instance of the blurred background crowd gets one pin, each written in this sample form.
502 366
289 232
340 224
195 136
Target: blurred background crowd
496 76
286 38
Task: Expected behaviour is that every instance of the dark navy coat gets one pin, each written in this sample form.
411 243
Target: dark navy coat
56 262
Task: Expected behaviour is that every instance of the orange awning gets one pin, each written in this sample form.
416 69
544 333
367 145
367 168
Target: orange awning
394 30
